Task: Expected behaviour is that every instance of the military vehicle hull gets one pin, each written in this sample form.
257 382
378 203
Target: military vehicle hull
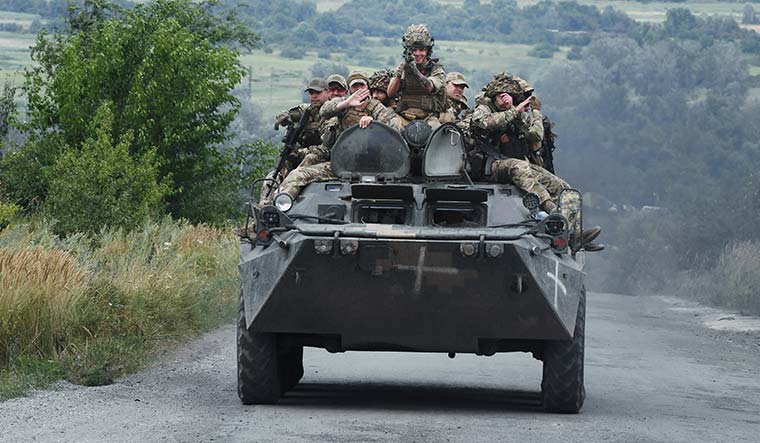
381 288
402 253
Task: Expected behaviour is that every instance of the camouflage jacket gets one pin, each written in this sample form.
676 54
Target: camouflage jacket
311 133
336 121
456 106
349 117
515 134
413 95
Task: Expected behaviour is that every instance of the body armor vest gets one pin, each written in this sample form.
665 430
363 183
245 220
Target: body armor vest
310 135
352 115
510 142
414 95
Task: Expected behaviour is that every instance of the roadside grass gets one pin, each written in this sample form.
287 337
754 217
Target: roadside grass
90 309
732 283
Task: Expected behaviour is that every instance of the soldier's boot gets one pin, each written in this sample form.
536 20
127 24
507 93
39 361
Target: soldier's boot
593 247
589 235
587 239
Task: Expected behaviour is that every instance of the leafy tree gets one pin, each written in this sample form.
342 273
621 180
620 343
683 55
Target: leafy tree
7 109
101 184
168 72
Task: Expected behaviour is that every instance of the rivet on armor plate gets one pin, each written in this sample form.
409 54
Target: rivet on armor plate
495 250
349 247
323 246
468 249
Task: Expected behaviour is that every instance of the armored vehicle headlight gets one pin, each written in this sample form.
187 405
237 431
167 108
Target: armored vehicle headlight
283 202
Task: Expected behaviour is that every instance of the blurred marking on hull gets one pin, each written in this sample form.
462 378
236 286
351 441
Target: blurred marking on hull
557 284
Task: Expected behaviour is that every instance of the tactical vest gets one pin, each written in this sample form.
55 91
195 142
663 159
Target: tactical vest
352 115
310 135
510 142
414 95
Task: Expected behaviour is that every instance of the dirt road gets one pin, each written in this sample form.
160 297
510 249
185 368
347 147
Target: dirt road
655 372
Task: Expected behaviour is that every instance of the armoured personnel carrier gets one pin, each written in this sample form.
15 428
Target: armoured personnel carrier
405 252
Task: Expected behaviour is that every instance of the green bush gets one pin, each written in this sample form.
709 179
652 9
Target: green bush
100 184
7 212
543 50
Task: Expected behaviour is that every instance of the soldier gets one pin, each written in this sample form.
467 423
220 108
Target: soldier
337 85
420 80
378 86
455 86
498 123
310 136
359 108
501 121
341 114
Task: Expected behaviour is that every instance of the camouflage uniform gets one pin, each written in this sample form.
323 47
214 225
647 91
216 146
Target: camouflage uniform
458 106
335 122
310 135
416 102
351 116
379 81
303 175
529 178
316 165
455 106
310 138
514 133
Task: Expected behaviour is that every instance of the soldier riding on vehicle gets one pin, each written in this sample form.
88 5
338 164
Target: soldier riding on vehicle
309 135
378 86
420 80
455 86
339 115
502 137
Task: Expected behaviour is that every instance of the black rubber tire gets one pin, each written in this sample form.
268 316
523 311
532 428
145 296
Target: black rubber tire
259 380
562 387
291 367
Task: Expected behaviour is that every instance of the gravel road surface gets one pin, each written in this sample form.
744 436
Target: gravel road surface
656 371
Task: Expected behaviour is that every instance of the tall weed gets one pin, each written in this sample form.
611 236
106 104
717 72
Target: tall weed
98 305
734 281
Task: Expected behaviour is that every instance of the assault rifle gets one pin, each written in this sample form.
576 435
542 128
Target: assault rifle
408 55
290 146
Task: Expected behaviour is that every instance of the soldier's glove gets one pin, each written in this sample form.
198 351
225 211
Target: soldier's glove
295 156
282 119
424 81
400 70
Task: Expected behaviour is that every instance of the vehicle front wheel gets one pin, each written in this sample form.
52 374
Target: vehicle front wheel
562 387
259 377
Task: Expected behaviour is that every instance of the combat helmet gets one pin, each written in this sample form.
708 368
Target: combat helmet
418 36
525 87
503 82
380 80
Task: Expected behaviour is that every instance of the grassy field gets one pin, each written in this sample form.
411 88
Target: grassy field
645 12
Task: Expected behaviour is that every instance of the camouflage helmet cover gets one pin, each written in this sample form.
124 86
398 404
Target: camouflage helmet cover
525 87
502 82
418 36
380 80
